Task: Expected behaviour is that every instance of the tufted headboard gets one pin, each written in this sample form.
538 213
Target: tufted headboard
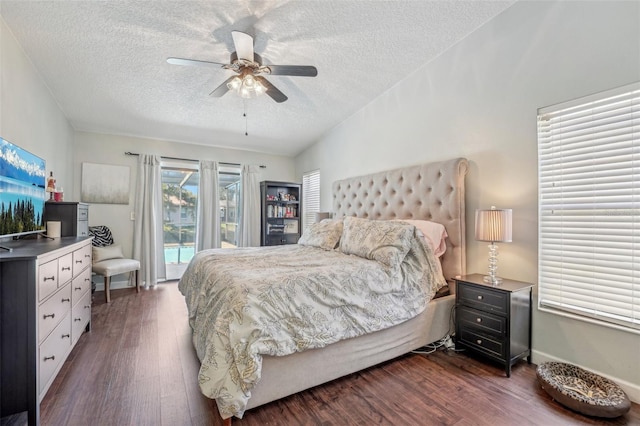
433 191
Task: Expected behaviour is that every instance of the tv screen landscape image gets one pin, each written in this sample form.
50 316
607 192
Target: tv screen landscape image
22 191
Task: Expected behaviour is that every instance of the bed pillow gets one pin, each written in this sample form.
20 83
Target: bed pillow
385 241
434 233
108 252
324 234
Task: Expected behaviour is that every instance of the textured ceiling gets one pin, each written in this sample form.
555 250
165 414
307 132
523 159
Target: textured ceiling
105 62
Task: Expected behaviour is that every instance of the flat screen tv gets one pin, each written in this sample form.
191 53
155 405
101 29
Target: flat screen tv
22 191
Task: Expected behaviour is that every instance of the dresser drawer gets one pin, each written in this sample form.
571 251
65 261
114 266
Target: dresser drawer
81 259
80 316
65 272
83 228
83 212
80 285
483 298
483 343
52 311
483 321
53 350
47 279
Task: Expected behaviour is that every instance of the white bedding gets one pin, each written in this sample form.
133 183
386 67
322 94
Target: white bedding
248 302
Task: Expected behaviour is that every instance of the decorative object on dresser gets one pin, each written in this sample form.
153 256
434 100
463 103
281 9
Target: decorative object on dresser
45 305
280 213
74 217
494 226
108 259
494 320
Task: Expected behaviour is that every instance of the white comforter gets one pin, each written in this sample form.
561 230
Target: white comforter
247 302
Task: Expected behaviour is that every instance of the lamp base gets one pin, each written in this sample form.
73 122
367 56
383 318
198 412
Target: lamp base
492 280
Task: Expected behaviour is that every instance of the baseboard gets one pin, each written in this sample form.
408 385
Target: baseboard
631 389
114 285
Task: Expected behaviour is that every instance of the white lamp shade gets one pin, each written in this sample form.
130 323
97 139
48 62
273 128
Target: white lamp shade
493 225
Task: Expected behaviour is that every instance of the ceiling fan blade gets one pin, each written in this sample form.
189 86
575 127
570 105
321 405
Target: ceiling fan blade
194 63
222 89
244 45
272 91
293 70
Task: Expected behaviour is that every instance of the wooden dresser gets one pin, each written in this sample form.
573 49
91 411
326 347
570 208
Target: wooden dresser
45 306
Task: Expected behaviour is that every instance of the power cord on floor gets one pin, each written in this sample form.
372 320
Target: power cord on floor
446 342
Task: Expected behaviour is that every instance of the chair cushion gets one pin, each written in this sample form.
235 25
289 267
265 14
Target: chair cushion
108 252
110 267
582 390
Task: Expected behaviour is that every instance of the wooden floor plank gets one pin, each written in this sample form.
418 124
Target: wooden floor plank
137 366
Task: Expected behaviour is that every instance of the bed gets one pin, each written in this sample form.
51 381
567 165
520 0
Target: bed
433 192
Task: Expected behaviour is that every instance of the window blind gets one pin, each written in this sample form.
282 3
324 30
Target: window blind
589 206
310 197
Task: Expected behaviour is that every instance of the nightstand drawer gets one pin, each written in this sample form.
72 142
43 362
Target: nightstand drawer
483 298
483 343
481 320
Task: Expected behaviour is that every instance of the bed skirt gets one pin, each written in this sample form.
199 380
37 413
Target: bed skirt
284 376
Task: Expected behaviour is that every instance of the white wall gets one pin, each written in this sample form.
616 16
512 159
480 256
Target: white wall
479 100
110 149
29 115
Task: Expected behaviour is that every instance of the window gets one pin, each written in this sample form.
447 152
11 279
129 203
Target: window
310 197
589 207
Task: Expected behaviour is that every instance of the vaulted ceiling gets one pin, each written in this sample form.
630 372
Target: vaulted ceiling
105 62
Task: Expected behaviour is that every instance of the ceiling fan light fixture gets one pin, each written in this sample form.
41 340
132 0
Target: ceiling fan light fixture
235 83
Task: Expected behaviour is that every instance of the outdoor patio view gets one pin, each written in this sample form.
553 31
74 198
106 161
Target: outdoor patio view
180 206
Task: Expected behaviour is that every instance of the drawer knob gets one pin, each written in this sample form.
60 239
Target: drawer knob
50 358
87 279
66 335
77 288
66 300
78 261
480 297
68 268
87 255
49 316
49 278
77 319
479 341
87 306
478 319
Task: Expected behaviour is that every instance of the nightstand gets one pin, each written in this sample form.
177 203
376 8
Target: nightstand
494 320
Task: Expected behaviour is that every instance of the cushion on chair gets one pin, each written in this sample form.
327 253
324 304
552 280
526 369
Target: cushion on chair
101 236
110 267
113 251
582 390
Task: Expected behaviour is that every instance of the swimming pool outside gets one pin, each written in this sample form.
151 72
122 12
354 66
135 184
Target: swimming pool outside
178 254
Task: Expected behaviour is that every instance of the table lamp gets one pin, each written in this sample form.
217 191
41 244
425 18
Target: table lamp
494 226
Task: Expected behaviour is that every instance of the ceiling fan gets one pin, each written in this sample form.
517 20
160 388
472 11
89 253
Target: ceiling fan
249 81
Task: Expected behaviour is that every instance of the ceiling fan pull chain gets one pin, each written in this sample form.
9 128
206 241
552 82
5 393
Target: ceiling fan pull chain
244 114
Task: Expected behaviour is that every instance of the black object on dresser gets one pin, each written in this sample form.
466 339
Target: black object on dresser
74 217
494 320
280 213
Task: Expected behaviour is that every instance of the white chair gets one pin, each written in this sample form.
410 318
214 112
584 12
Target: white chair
108 259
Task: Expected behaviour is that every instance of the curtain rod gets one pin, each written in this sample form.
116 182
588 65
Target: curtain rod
262 166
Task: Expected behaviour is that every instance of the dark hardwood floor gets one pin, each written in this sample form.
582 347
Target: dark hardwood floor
137 366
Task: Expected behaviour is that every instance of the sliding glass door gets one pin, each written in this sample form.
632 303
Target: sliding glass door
180 201
180 181
229 190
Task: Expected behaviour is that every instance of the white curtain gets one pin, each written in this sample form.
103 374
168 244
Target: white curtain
148 242
250 208
208 222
